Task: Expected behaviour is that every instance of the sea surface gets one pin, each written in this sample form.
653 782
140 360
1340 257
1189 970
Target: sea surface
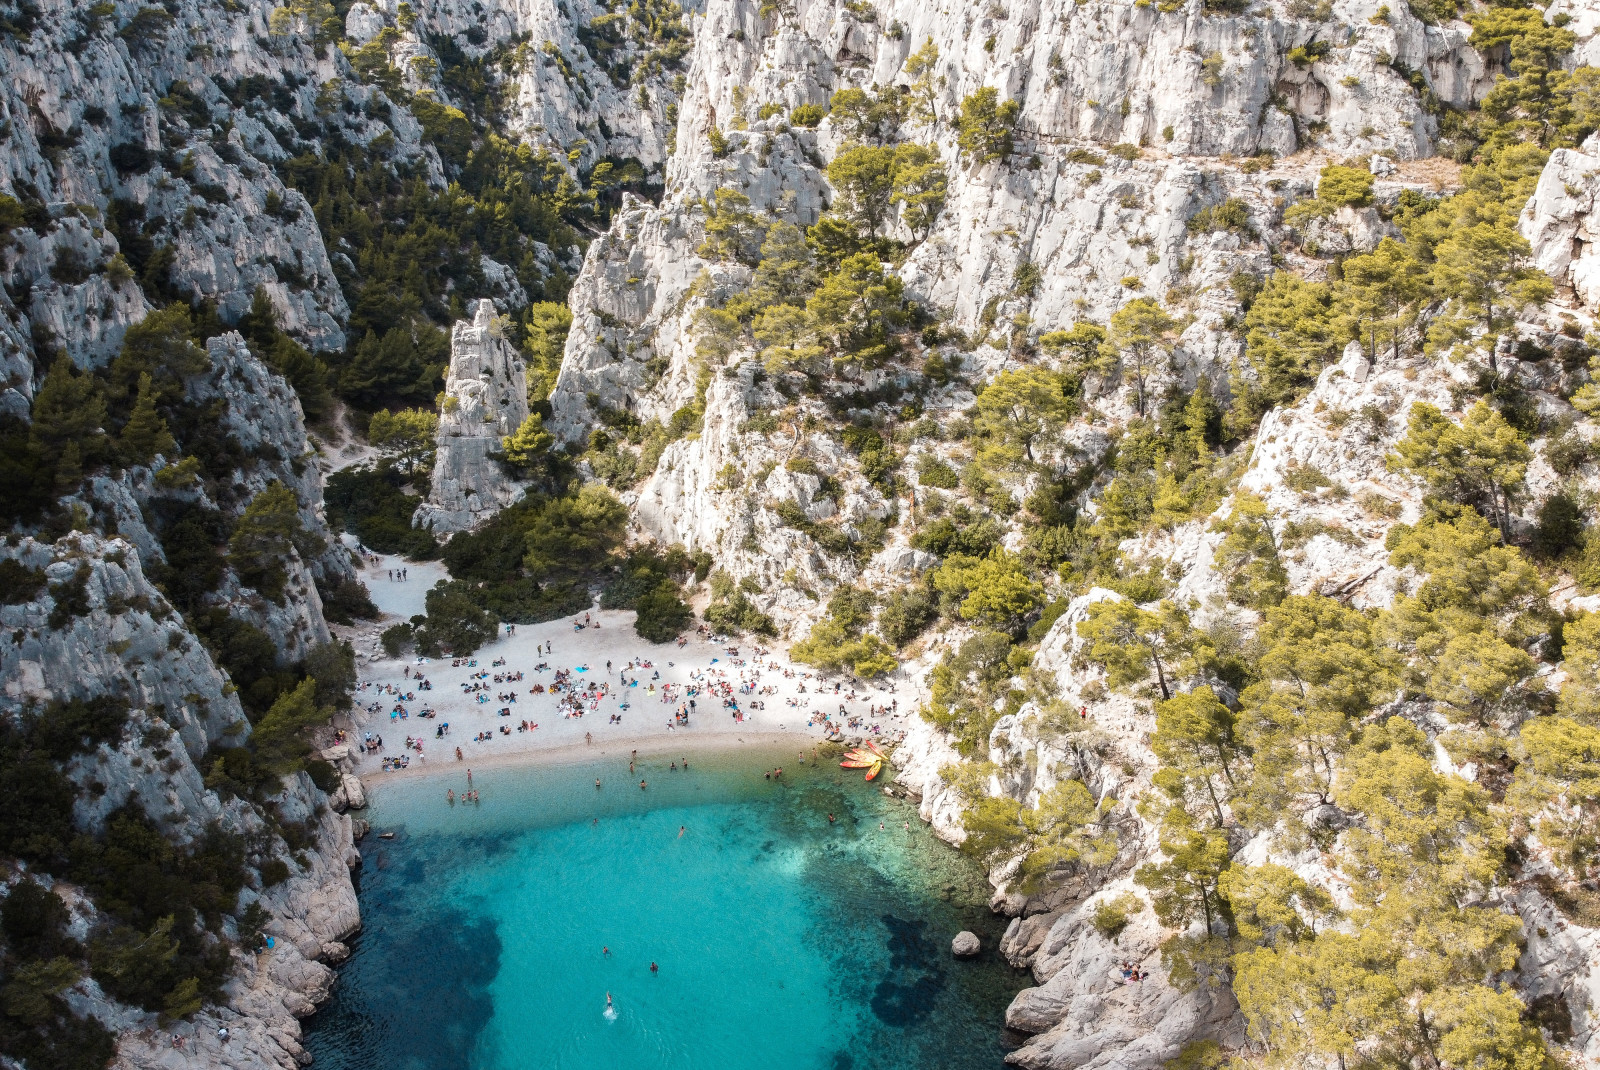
494 932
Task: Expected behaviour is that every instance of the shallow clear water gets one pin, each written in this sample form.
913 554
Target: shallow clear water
783 942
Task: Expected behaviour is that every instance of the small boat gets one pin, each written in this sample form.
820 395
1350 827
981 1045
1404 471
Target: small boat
871 759
390 835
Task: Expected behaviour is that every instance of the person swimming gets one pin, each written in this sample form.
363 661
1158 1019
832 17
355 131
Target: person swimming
610 1011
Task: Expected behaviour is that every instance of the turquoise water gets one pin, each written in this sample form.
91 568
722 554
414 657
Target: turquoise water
783 941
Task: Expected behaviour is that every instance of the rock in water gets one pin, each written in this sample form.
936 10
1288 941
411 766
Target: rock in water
965 945
486 399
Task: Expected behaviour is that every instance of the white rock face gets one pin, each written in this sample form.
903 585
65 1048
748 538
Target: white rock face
101 628
126 632
104 93
1560 224
917 762
486 399
562 97
1086 1015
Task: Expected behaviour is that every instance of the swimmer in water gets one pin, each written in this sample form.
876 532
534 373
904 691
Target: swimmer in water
641 785
654 968
681 830
597 782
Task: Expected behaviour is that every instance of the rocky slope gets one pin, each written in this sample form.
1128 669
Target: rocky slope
1089 221
97 626
1198 91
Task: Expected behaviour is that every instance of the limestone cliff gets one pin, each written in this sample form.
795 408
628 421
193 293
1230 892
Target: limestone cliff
1088 221
101 629
1131 126
485 400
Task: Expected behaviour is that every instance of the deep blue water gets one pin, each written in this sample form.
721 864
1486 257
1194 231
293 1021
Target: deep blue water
783 941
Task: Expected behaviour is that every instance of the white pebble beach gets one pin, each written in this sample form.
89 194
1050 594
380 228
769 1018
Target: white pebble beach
646 725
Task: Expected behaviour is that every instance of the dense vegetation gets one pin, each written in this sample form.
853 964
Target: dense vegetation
1296 715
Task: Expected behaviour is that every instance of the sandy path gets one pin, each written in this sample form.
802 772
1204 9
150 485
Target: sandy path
646 723
402 599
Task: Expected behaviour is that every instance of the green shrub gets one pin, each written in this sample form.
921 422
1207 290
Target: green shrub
396 639
1345 186
274 871
456 623
932 472
906 614
732 610
1232 214
808 115
346 602
324 775
985 125
1111 916
370 504
662 614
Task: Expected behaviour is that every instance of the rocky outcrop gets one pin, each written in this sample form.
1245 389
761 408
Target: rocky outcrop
578 82
1560 224
100 625
94 115
100 628
1087 1015
485 400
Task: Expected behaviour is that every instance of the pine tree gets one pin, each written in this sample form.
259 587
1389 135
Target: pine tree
145 435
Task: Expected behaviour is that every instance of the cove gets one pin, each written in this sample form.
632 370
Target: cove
782 941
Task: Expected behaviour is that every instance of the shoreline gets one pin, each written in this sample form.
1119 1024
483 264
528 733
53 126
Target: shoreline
618 693
711 743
